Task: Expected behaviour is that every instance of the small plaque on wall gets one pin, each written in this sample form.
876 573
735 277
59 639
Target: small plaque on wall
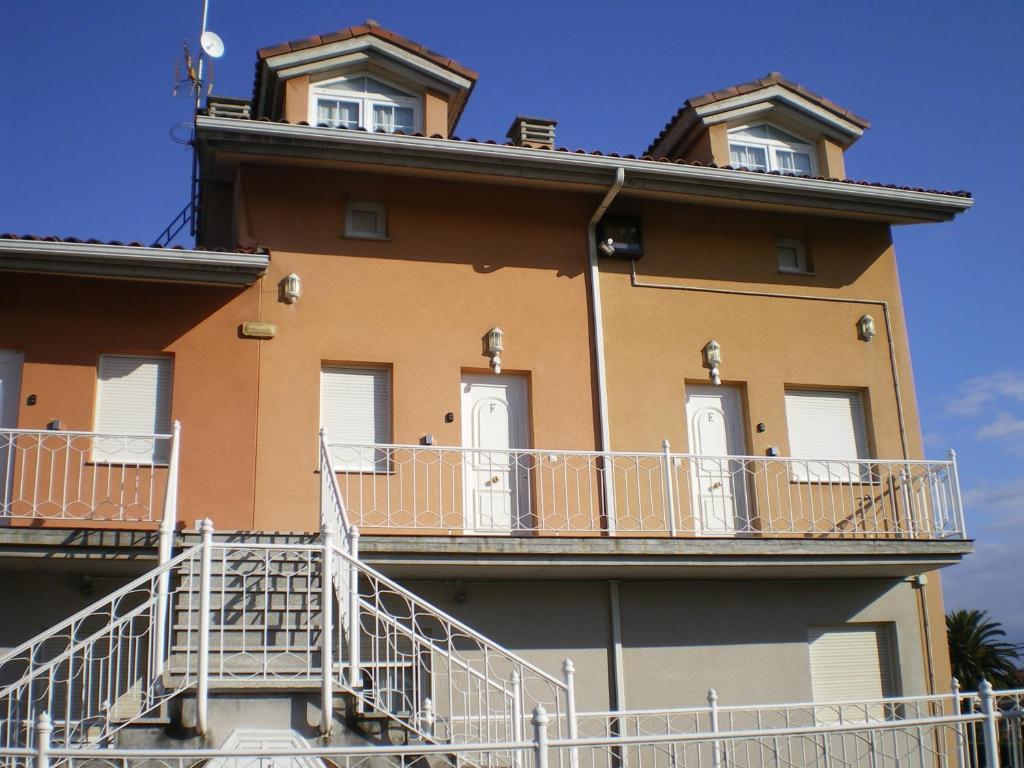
256 329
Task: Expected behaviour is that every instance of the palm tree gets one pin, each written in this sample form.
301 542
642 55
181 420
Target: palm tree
977 651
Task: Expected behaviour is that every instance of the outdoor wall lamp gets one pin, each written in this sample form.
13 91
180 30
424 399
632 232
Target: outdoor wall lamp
291 288
713 359
495 345
866 328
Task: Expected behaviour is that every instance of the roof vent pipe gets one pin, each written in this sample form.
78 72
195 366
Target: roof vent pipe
533 132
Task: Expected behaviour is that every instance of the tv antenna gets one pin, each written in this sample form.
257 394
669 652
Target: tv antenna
211 47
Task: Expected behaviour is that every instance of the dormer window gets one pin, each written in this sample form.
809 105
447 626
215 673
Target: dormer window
766 148
364 102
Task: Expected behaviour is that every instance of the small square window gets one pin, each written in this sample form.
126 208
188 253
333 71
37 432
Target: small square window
366 221
792 256
626 234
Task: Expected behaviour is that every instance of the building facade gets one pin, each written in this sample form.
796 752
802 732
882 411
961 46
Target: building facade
652 413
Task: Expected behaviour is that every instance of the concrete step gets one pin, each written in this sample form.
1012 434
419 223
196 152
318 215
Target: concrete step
249 601
247 637
250 582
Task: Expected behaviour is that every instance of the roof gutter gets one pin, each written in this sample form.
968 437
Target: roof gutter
130 262
598 336
701 184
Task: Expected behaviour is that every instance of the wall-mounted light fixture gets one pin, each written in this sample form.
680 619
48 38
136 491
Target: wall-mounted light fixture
495 346
291 288
713 359
866 328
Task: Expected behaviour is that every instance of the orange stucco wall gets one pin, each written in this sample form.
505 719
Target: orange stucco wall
459 259
435 114
214 389
296 99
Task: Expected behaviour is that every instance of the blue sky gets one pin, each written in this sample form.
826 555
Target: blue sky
86 151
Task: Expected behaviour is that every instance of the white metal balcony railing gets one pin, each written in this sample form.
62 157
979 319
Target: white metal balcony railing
88 476
445 490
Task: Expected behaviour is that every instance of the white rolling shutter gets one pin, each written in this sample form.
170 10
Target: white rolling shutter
355 409
133 398
852 664
827 426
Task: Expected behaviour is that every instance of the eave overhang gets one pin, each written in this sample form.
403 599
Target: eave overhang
127 262
261 141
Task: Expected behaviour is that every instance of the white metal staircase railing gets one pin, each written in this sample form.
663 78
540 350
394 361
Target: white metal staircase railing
96 671
441 678
427 670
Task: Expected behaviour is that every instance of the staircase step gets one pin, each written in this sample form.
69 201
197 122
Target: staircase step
240 600
230 637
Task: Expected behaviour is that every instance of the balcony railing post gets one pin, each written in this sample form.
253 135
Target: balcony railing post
905 493
516 684
540 736
608 486
329 537
44 731
716 745
168 524
958 502
961 740
991 729
670 497
569 674
203 673
354 672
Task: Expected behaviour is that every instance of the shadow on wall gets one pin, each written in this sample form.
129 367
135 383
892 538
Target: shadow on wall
85 317
487 227
734 246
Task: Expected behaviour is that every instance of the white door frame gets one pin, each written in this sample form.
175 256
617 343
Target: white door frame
732 411
11 365
507 469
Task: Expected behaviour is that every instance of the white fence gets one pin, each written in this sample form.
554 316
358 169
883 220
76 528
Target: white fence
86 476
448 490
939 741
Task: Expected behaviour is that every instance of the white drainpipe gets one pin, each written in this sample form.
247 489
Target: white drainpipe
598 333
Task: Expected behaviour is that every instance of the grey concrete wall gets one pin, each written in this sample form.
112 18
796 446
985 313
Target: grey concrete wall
545 622
746 639
32 601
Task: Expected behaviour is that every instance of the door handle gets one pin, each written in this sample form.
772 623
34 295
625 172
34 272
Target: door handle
715 486
495 479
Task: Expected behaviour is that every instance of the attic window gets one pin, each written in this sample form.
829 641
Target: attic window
766 148
364 102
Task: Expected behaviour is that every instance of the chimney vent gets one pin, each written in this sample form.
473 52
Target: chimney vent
534 132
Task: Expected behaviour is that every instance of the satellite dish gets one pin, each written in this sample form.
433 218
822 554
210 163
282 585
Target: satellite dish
212 44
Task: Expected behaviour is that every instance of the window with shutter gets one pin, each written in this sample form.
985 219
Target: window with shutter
827 428
852 663
355 409
133 397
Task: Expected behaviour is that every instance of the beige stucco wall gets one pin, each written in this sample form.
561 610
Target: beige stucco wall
654 337
831 162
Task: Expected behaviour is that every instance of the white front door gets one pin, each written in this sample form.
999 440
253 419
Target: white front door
496 477
10 393
714 417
